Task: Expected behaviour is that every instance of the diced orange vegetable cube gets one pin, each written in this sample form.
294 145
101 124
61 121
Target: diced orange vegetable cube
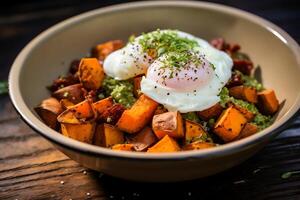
243 92
230 124
82 132
107 135
91 73
101 105
193 131
249 129
104 49
212 112
268 102
166 144
135 119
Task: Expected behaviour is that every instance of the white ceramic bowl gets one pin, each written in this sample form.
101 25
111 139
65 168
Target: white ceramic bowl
50 53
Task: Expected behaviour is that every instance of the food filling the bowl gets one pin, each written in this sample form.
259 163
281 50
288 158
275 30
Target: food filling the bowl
163 91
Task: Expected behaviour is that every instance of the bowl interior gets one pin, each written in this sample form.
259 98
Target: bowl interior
51 54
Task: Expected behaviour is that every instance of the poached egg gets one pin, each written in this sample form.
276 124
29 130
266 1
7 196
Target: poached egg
183 81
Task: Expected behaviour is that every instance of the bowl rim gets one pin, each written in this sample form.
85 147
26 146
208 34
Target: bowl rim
226 149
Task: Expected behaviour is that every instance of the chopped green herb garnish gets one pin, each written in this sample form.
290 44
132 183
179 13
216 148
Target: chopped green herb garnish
211 122
192 116
250 81
3 87
120 91
101 96
178 51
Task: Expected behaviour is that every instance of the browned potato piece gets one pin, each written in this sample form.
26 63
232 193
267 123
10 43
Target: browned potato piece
212 112
137 86
249 129
135 119
249 115
82 132
243 92
123 147
48 111
230 124
91 73
166 144
65 103
193 131
107 135
101 105
74 93
197 146
267 102
104 49
78 113
169 123
144 139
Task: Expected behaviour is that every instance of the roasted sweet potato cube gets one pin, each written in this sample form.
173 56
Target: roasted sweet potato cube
104 49
169 123
247 114
249 129
74 93
267 102
123 147
83 132
101 105
107 135
212 112
193 131
135 119
243 92
230 124
48 111
78 113
65 103
166 144
91 73
197 146
137 86
144 139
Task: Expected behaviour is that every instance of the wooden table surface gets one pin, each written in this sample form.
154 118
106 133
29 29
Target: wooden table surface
31 168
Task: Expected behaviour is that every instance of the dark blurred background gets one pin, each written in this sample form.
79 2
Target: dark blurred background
20 21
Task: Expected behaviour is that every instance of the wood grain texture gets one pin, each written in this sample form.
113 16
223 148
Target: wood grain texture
31 168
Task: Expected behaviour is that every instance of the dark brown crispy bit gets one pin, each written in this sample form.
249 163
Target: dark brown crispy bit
235 80
63 82
112 114
244 66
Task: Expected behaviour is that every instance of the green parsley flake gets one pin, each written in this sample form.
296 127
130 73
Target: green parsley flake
120 91
178 51
192 116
